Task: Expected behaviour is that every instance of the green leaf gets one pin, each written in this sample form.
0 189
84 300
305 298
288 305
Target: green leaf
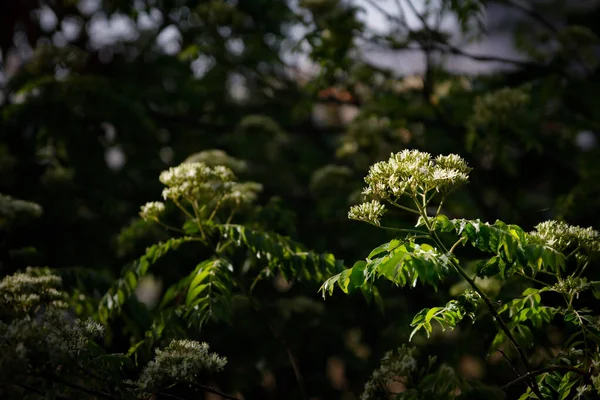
566 384
384 248
492 267
281 254
191 227
510 245
443 224
404 264
448 316
210 292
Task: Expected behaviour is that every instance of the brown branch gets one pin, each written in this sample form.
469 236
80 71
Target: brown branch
531 13
546 24
386 14
448 48
75 386
34 390
509 362
532 374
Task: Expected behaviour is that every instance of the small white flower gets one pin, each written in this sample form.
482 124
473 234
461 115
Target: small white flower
152 210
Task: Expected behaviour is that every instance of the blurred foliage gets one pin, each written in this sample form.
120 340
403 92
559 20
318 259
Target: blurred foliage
97 97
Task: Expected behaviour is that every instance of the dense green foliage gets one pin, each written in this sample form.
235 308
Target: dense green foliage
553 258
259 160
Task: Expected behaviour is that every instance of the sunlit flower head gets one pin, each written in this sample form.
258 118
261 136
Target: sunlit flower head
152 210
413 172
191 180
370 212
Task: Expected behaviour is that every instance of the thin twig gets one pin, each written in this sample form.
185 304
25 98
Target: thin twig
456 244
401 13
546 24
532 13
279 336
509 362
77 387
533 374
411 210
386 14
169 395
389 228
419 15
215 391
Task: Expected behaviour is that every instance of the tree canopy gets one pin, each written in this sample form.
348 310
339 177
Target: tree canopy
178 179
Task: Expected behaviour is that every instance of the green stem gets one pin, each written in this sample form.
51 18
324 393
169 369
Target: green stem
389 228
456 244
167 227
440 207
182 208
574 251
230 216
411 210
430 198
531 279
198 218
214 212
583 269
219 249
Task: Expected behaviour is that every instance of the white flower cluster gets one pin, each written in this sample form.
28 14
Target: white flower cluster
370 212
413 172
562 236
182 361
152 210
194 180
